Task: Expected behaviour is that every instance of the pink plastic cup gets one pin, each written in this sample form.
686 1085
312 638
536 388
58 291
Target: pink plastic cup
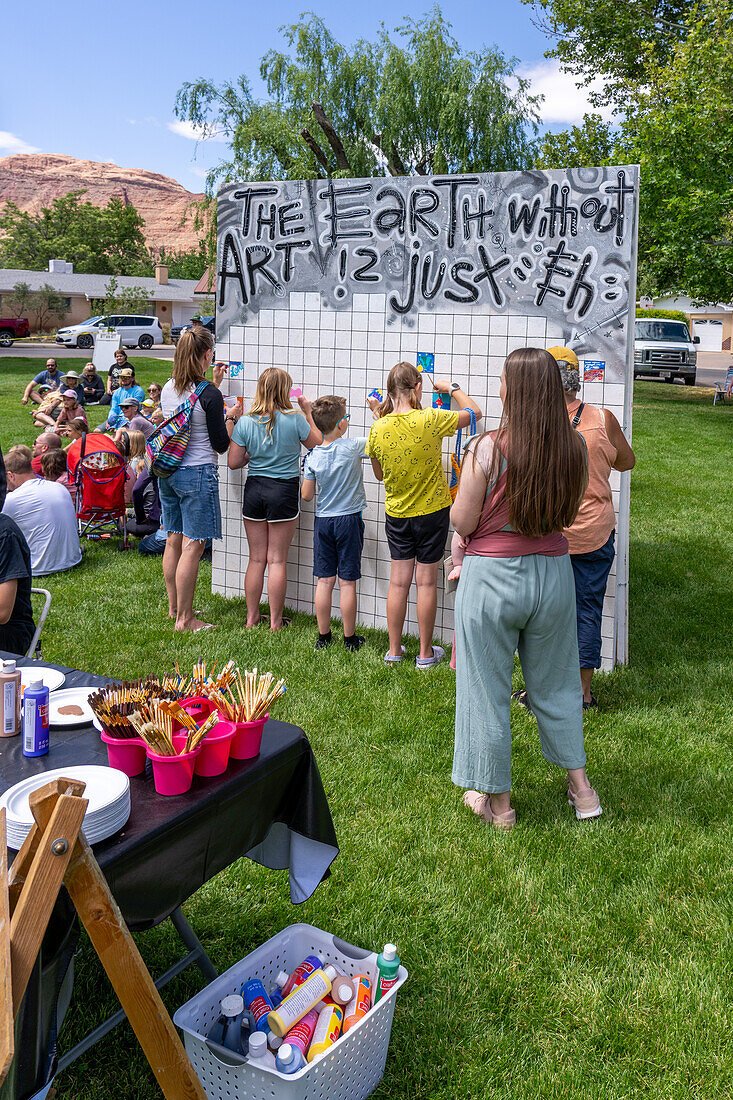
198 706
125 753
214 756
247 739
173 774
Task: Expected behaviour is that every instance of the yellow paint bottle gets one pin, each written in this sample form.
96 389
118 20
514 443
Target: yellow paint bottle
327 1030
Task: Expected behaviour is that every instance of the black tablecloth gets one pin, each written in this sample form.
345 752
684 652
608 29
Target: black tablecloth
272 809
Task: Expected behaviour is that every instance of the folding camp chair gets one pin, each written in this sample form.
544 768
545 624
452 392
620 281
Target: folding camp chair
721 388
100 494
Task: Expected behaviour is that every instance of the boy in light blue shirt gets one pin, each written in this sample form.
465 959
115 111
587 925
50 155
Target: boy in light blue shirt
338 535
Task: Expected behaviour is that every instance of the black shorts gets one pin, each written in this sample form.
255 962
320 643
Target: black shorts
338 542
273 499
420 537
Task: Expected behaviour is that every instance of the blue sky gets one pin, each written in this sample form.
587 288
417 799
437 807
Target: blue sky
98 82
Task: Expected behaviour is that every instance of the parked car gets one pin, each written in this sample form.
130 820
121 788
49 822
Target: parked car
664 349
135 332
207 322
14 328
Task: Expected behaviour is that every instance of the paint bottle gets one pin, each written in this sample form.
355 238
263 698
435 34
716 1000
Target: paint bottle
299 975
276 993
231 1010
289 1059
300 1036
342 991
301 1000
35 719
258 1002
9 700
388 971
327 1030
259 1055
359 1005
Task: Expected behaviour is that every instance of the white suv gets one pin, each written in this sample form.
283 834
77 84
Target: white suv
135 332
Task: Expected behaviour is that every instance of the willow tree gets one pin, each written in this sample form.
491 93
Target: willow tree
414 104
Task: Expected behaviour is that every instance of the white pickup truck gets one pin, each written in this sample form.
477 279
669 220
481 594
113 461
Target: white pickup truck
664 349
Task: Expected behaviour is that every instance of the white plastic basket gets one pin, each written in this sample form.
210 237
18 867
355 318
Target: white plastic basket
349 1070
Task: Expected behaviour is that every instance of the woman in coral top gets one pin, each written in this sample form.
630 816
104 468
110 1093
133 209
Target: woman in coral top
591 537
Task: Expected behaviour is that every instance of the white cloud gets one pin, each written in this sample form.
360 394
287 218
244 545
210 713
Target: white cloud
193 132
10 144
200 172
565 101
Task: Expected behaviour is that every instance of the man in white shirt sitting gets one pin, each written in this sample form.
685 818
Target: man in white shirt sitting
45 514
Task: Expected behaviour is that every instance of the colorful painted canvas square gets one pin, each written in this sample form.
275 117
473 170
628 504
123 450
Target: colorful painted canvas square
594 370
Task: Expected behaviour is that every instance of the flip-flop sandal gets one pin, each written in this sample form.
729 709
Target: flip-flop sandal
522 698
431 662
592 703
204 626
390 659
285 623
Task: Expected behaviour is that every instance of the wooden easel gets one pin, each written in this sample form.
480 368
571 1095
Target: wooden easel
55 852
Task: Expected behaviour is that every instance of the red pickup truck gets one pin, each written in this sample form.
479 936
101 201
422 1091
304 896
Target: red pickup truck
14 329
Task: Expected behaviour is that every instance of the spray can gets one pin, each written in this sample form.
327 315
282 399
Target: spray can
299 975
300 1036
388 970
9 700
289 1059
257 1001
301 1000
259 1055
327 1030
358 1006
35 719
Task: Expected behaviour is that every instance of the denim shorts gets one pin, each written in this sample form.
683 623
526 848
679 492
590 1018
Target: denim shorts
189 500
338 542
591 574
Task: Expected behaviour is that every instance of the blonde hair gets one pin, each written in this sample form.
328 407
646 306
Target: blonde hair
403 378
135 446
272 395
188 365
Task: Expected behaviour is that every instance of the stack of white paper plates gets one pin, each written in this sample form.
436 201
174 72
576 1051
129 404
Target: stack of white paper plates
107 789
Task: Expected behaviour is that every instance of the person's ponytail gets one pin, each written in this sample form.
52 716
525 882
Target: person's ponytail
189 365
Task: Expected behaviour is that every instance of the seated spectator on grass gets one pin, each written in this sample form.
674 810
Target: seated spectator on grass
134 419
48 409
46 441
54 468
16 615
70 410
146 503
113 376
127 388
50 377
92 385
72 381
45 514
157 417
154 392
131 445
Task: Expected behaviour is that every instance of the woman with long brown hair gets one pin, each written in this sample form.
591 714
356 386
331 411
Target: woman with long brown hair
189 498
268 438
520 486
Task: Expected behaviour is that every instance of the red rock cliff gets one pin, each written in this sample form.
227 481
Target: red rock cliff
35 180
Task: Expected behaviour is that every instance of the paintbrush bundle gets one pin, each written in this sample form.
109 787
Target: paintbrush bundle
114 704
253 695
201 681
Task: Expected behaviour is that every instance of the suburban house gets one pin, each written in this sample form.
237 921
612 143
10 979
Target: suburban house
712 323
172 301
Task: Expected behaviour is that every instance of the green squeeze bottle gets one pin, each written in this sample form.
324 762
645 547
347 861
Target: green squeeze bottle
388 971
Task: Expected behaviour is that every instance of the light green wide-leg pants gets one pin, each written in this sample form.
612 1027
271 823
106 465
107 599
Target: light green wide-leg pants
503 605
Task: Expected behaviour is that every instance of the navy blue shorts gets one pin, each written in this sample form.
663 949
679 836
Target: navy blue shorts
591 574
337 545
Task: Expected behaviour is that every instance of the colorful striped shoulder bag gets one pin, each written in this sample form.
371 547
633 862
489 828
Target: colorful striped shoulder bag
167 445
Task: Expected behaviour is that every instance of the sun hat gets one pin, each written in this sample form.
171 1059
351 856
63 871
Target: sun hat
126 372
70 374
130 401
68 393
148 404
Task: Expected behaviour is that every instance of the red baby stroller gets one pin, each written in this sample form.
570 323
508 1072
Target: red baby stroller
99 472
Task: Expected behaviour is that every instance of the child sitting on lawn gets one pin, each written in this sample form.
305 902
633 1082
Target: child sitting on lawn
338 535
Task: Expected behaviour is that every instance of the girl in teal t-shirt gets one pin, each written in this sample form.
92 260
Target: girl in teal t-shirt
268 439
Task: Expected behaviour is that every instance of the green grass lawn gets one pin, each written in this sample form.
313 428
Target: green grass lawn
559 960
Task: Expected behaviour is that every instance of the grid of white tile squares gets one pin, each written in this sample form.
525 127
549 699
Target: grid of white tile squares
350 353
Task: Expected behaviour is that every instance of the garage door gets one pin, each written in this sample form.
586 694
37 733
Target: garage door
710 333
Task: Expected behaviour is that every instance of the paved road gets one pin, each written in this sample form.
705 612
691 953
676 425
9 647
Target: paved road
58 351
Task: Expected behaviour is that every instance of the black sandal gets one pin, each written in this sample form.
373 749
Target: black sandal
522 698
